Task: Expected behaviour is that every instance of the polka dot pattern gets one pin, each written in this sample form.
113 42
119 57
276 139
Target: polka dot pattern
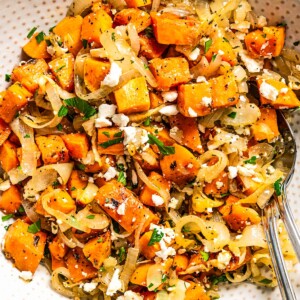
16 19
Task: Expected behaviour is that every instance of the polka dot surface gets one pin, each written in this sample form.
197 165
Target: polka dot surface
16 19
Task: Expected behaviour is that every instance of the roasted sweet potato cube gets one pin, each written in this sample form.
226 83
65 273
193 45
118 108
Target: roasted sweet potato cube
196 292
248 184
281 95
35 49
69 30
138 3
94 24
150 48
221 46
28 74
53 149
133 97
139 276
147 193
10 200
124 207
266 128
57 248
265 43
180 167
170 71
96 250
149 164
4 131
8 156
139 18
25 248
180 262
171 29
224 91
56 263
100 5
226 209
110 141
15 98
77 182
77 144
79 266
186 131
146 250
63 71
163 135
155 99
195 99
94 72
218 186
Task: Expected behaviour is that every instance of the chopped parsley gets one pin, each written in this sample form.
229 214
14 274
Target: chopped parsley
35 227
205 255
111 142
21 209
251 160
90 217
147 122
278 187
59 127
7 77
40 37
164 278
113 36
156 237
118 134
122 178
26 136
207 45
63 111
81 167
266 281
232 115
82 106
218 279
7 217
149 32
225 40
165 150
122 254
213 57
100 240
85 43
31 32
146 67
106 133
60 68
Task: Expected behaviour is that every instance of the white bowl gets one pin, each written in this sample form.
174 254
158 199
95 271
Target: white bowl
16 19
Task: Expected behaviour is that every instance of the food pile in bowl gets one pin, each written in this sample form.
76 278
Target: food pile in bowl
137 143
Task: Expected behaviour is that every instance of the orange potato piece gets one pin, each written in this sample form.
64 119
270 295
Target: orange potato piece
4 131
226 209
139 18
63 70
146 250
180 262
69 30
170 71
180 167
139 276
77 182
77 144
148 165
112 195
28 74
110 135
8 156
56 263
36 50
171 29
25 248
213 188
138 3
196 292
79 266
155 100
266 128
150 48
57 248
11 200
53 149
11 101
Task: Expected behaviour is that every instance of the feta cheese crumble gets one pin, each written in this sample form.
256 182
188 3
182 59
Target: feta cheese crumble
113 77
110 173
194 54
192 113
268 91
157 200
135 136
120 120
169 96
170 110
105 111
89 286
253 65
206 101
26 275
121 209
115 284
223 258
232 172
173 203
130 295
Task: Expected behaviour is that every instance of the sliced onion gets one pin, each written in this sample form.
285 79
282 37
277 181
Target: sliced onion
16 175
95 148
88 126
5 185
154 276
264 197
209 173
71 242
209 120
79 6
134 38
142 116
87 195
205 68
155 5
200 202
238 277
30 210
57 285
263 152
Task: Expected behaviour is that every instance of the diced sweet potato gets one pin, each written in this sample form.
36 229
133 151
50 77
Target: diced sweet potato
194 99
155 100
196 292
56 263
94 24
249 185
266 128
15 98
36 50
63 71
100 5
77 182
96 250
25 248
4 131
218 186
110 141
77 144
94 72
139 276
79 266
224 91
147 193
187 132
171 29
53 149
28 74
146 250
10 200
57 248
180 167
123 206
150 48
265 43
170 71
226 209
286 98
8 156
133 97
138 3
148 159
69 30
180 262
139 18
162 135
221 46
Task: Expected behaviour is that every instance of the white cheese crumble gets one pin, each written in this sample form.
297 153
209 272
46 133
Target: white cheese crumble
105 111
268 91
113 77
89 286
223 258
135 136
232 172
169 110
173 203
284 90
219 184
192 113
194 54
246 170
5 185
253 65
26 275
169 96
110 173
130 295
206 101
120 120
115 284
200 79
298 67
121 209
176 134
261 22
157 200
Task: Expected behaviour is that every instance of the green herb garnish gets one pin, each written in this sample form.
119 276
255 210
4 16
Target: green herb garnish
106 133
90 217
232 115
59 127
278 187
7 77
266 281
122 254
118 134
165 150
218 279
63 111
251 160
113 36
81 167
156 237
82 106
31 32
205 255
85 43
26 136
147 122
40 37
149 32
7 217
111 142
214 57
35 227
122 178
207 45
60 68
